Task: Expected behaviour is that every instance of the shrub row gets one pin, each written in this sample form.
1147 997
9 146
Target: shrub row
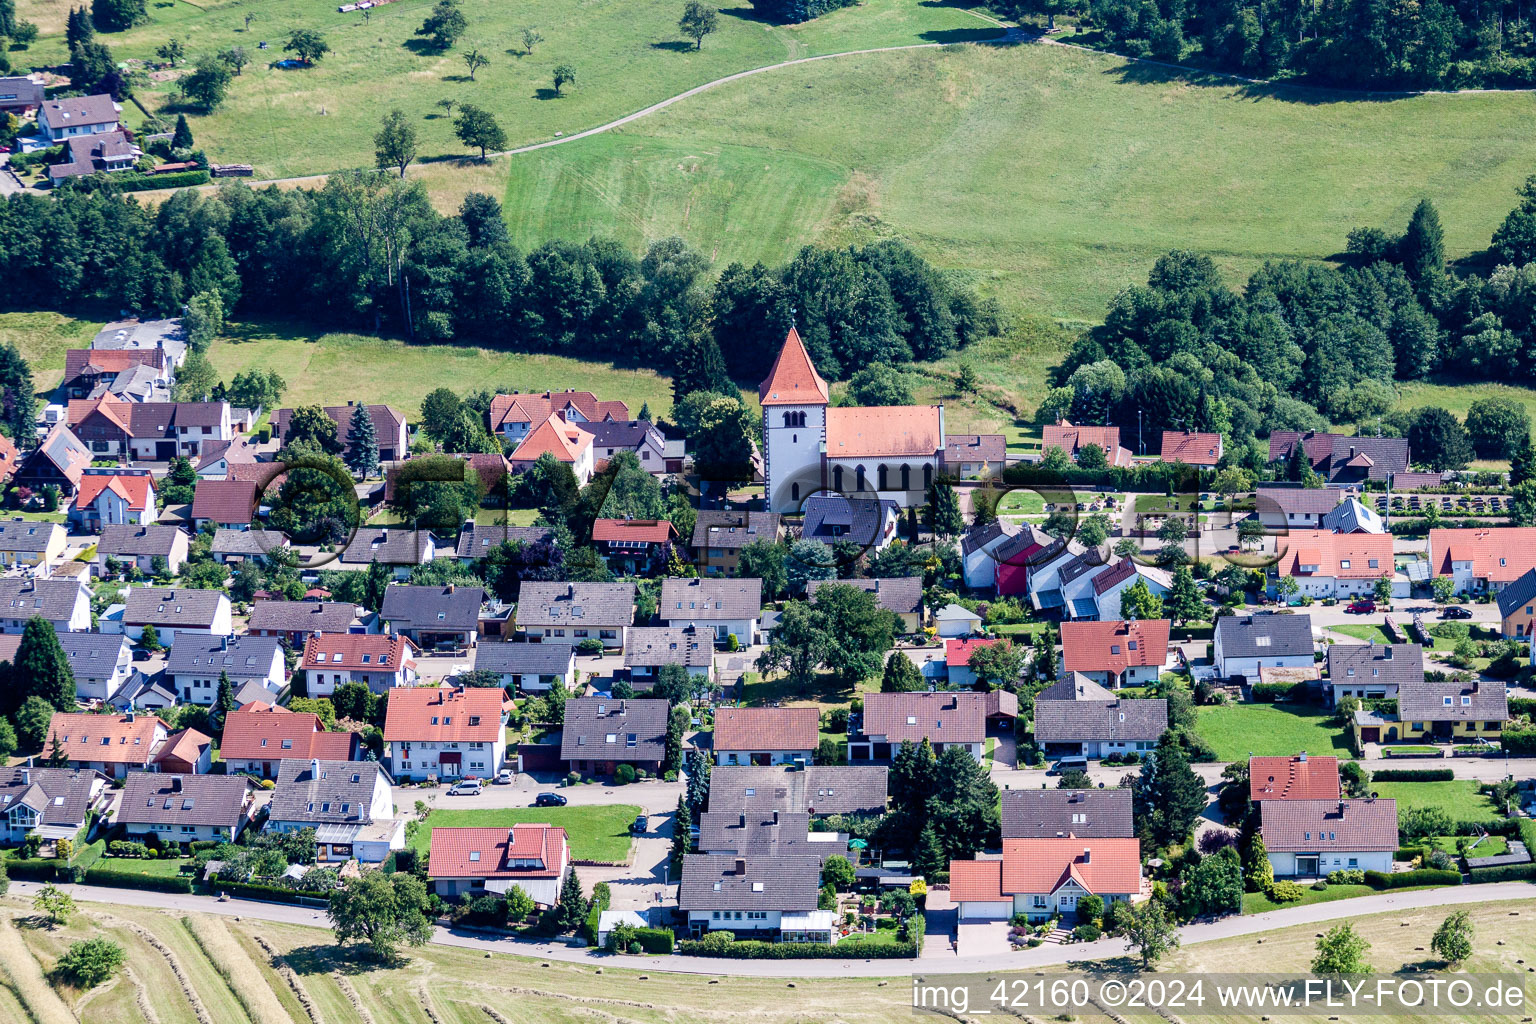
654 940
88 855
133 880
1503 873
1408 853
38 869
756 949
126 181
1269 693
1413 775
1405 879
130 848
1522 706
600 898
257 891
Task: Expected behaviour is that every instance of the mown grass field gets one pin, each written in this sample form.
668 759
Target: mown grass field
1459 797
595 831
42 337
1269 730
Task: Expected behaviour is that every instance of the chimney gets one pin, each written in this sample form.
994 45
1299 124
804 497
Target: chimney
775 817
450 588
742 823
1386 652
1302 757
314 768
1474 685
130 715
741 865
1341 808
1087 855
224 643
175 783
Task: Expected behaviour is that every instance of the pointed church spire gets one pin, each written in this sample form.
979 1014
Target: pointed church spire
793 379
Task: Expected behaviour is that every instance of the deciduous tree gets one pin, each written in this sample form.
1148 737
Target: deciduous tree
394 145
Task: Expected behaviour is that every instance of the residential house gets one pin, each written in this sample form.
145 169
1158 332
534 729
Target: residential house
1298 777
1192 448
143 693
955 620
1340 460
388 426
900 595
432 617
1243 644
1046 878
476 541
1077 717
1027 566
765 833
814 789
118 744
379 661
576 611
1067 813
634 547
67 118
1372 671
449 732
21 94
167 335
233 546
534 858
59 460
1350 516
944 719
974 456
225 504
766 736
1097 593
65 602
175 611
148 431
1482 560
1282 507
1517 607
134 374
720 534
755 897
601 733
648 648
10 459
215 459
723 608
196 663
514 417
639 436
869 523
27 542
298 620
139 546
1072 440
1117 653
102 663
347 803
1340 565
978 547
1445 711
185 808
1310 838
529 668
114 497
258 737
55 803
565 442
957 658
400 547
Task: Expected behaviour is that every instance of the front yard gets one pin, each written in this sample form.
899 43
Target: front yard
1458 797
1258 902
596 832
1238 730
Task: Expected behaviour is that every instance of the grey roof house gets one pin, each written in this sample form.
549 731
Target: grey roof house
476 541
1373 671
723 607
601 733
815 789
900 594
1078 716
1059 813
174 611
141 545
576 611
101 662
196 663
1243 644
431 616
298 619
347 803
752 894
50 801
185 808
762 833
64 601
528 667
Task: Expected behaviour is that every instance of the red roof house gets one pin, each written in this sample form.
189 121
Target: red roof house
258 736
1116 653
765 735
1042 878
534 858
1191 447
1293 778
229 503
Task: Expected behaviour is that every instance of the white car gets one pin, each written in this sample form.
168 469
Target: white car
469 787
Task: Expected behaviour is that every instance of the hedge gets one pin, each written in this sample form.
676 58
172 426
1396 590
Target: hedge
88 855
600 898
757 949
1405 879
1413 775
125 181
1503 873
654 940
1269 693
134 880
257 891
1520 742
1525 706
38 869
1408 853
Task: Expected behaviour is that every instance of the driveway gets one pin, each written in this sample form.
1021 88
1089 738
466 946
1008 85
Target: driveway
983 938
9 183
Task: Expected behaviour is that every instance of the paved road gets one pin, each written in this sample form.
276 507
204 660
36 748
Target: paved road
1041 956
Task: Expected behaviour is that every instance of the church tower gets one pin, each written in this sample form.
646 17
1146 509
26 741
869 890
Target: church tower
794 400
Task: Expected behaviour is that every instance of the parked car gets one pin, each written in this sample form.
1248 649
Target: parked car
549 800
640 826
469 787
140 655
503 777
1455 611
1361 607
1067 764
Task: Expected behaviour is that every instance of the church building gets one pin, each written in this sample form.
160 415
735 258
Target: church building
890 452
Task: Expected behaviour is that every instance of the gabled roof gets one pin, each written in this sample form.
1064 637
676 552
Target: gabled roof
575 604
1313 826
364 652
153 798
547 658
29 536
443 714
957 650
726 882
760 833
793 379
522 851
73 111
1059 813
1521 591
939 717
1265 635
340 792
386 422
816 789
402 545
598 729
126 539
1350 516
62 795
258 731
766 729
633 531
719 528
621 433
650 646
476 541
135 489
975 448
1089 718
1114 646
101 360
1499 554
900 594
172 606
302 616
833 517
93 654
885 431
701 597
976 881
1099 865
53 599
1338 555
1071 439
1293 778
227 541
1380 664
1427 700
110 739
536 408
224 501
414 606
65 451
565 441
1191 447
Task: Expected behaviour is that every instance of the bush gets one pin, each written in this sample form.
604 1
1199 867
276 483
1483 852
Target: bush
1284 892
1086 932
257 891
133 880
1405 879
90 962
624 774
1319 886
1503 873
653 940
1269 693
1349 876
1413 775
1409 853
130 848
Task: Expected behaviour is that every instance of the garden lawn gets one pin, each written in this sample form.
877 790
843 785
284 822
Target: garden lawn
160 867
1258 902
1459 797
595 831
1492 846
1368 633
1237 730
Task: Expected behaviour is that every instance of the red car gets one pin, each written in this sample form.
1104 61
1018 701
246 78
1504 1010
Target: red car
1361 608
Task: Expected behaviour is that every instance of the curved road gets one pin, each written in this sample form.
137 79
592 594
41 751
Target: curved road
1040 956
